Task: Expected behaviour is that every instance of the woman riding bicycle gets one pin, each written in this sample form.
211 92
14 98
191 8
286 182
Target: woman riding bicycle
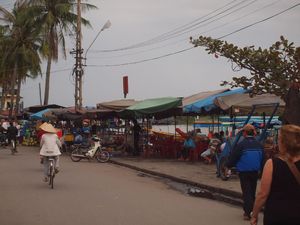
50 145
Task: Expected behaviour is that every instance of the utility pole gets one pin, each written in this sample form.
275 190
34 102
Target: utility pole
78 57
78 70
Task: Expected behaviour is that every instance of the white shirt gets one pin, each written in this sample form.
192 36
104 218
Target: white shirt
50 145
5 125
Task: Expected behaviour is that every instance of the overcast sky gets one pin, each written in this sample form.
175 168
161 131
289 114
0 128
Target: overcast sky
143 30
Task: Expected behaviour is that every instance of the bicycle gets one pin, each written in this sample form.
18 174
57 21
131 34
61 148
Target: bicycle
51 171
13 146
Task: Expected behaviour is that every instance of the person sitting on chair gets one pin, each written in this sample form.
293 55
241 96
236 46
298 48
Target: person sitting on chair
213 148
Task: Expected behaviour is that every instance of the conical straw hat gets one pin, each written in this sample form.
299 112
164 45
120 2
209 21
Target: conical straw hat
48 128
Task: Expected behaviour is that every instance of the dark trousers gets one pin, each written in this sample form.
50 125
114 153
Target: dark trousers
185 152
136 150
248 182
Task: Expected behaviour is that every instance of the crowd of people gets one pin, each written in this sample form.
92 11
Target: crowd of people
279 194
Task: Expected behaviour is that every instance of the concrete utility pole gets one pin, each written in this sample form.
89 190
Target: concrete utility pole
78 70
78 57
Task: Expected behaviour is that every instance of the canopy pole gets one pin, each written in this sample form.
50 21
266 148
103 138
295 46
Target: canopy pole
187 123
175 124
218 122
147 133
264 119
213 123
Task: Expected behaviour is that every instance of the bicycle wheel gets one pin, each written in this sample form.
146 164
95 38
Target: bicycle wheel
75 155
102 156
13 145
51 176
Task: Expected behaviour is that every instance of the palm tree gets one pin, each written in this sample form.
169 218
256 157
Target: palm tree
20 42
57 18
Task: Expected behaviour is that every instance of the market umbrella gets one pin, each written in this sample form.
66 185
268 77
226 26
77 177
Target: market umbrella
207 104
243 102
156 107
39 115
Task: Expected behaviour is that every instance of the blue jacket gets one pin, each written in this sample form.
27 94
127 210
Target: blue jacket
247 156
189 143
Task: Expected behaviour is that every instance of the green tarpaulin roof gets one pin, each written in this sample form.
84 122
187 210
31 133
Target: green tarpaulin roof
157 107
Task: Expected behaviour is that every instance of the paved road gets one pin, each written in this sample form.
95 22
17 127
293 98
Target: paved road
90 193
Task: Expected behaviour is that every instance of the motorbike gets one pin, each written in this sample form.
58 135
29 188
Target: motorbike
96 151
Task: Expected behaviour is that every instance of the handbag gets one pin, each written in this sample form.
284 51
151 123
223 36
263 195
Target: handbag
293 169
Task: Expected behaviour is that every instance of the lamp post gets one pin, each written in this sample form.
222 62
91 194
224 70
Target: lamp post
78 65
105 26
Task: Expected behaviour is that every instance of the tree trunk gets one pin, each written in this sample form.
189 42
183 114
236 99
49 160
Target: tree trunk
12 91
4 94
291 113
47 83
19 81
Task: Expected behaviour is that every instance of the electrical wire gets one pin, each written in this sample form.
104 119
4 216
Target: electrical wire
187 49
181 28
145 60
260 21
186 38
202 23
241 17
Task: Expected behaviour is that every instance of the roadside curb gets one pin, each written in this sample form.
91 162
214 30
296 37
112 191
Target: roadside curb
197 189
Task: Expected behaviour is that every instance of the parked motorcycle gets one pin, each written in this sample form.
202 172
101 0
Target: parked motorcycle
96 151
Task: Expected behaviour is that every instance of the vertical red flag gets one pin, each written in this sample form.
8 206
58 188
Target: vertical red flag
125 85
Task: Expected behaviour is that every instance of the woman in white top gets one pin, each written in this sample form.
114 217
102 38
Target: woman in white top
50 146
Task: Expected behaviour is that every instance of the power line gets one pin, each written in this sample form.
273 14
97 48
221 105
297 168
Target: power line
203 23
241 17
187 49
145 60
185 39
260 21
179 29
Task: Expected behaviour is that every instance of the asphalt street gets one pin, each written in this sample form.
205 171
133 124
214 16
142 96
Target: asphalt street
92 193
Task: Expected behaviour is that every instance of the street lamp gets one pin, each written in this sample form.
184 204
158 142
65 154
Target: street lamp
105 26
78 65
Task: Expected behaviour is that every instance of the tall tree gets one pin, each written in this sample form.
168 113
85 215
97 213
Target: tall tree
20 43
274 70
57 18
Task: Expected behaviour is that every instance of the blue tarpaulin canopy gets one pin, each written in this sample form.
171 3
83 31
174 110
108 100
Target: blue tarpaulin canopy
39 115
207 104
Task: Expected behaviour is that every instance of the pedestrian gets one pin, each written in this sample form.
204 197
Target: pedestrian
188 147
50 146
280 184
248 158
136 137
12 133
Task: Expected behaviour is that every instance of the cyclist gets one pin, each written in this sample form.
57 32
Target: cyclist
12 133
50 146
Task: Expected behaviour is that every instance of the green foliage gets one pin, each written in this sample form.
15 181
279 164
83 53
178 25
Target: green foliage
272 70
19 42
